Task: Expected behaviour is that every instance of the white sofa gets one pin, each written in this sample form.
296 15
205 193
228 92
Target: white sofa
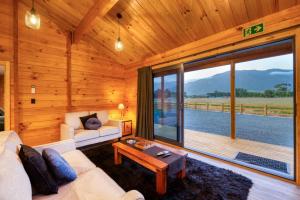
92 183
73 128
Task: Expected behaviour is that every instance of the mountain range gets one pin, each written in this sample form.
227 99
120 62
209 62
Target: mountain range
251 80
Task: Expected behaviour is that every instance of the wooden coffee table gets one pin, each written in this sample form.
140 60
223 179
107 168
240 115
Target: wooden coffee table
150 162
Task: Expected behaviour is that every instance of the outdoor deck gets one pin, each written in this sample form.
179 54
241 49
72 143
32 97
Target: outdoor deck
228 148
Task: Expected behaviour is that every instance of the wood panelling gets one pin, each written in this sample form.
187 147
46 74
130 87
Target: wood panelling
7 45
1 88
95 82
99 9
42 63
152 27
6 33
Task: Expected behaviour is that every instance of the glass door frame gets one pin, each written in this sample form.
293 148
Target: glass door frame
181 68
178 70
209 63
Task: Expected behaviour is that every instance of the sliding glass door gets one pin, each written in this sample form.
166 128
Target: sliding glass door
240 107
237 106
206 106
265 113
166 106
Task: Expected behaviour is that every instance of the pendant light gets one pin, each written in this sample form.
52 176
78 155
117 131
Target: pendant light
32 19
119 44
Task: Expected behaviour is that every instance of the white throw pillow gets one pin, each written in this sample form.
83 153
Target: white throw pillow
102 116
14 181
73 119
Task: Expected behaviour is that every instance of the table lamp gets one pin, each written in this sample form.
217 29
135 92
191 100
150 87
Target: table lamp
121 107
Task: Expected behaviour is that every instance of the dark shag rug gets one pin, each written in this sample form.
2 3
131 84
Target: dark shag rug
203 181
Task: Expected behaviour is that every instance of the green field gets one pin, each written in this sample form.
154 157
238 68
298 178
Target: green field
255 105
286 101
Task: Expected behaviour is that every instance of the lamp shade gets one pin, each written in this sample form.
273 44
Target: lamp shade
119 45
121 106
32 20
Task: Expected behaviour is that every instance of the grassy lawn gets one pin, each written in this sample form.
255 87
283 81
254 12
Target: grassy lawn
254 105
288 101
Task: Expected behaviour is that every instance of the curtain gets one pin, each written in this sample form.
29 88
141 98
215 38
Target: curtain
145 103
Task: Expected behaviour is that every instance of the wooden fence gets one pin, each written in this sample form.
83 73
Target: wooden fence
257 109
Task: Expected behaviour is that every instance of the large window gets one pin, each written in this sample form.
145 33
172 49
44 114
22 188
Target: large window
237 106
207 104
265 113
165 106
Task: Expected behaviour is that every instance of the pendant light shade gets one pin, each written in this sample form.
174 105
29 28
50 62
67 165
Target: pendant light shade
119 46
32 19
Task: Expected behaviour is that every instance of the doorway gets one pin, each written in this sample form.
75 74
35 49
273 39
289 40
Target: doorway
5 107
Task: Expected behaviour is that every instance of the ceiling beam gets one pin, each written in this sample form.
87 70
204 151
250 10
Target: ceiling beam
99 9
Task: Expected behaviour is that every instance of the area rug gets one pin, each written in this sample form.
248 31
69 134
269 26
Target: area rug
263 162
203 181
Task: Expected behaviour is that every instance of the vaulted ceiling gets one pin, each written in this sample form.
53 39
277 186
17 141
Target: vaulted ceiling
150 27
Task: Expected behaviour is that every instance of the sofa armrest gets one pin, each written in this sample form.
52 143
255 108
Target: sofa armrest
115 123
133 195
60 146
66 132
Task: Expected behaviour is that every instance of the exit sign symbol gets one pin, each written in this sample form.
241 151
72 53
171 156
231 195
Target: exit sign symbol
252 30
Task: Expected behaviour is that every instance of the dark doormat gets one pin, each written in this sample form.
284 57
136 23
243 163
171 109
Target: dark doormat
263 162
203 181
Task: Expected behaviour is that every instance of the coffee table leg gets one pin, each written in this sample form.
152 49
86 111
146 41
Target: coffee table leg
161 182
118 157
181 174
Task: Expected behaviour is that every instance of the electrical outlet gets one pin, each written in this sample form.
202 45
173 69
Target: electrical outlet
33 101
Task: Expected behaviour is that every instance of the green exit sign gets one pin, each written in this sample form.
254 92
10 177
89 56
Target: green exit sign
252 30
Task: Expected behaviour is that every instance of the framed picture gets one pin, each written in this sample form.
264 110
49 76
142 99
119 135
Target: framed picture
127 127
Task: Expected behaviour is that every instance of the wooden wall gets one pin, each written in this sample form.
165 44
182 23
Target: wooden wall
96 83
6 43
6 33
42 63
1 90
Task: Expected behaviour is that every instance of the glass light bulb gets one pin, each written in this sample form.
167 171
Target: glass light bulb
32 20
119 45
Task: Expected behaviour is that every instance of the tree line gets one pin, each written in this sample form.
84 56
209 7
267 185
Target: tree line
280 90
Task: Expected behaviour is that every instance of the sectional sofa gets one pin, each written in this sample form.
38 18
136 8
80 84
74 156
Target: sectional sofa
92 183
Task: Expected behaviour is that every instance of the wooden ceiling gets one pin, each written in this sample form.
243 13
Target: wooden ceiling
150 27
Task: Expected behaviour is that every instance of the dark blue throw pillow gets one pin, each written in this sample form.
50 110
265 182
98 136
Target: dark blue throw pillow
37 170
60 168
93 124
85 118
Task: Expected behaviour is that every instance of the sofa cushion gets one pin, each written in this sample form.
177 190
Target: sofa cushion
92 185
72 119
78 161
102 116
10 140
108 130
81 135
60 168
14 182
85 118
37 170
92 124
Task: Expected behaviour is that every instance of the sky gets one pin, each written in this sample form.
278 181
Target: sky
276 62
